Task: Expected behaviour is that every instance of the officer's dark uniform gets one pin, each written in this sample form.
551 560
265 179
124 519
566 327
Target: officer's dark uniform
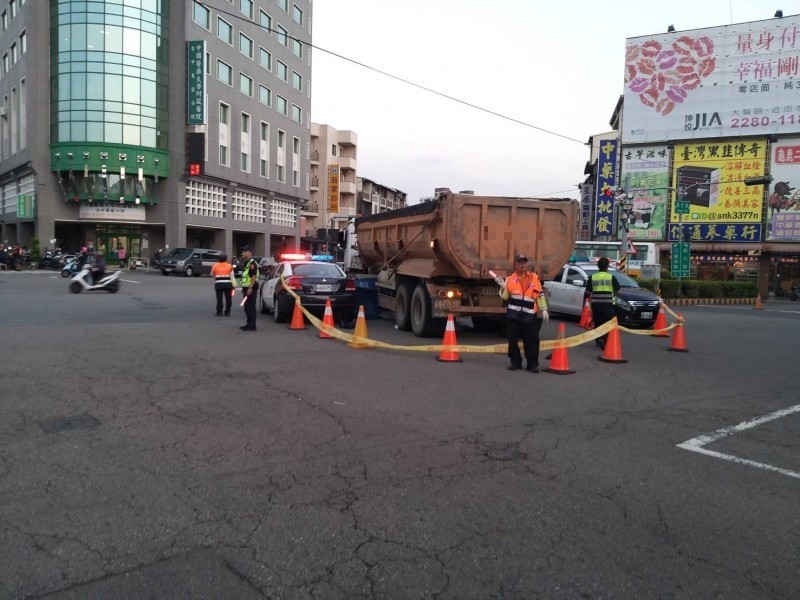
602 287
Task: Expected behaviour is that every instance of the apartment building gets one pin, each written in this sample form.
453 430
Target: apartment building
154 124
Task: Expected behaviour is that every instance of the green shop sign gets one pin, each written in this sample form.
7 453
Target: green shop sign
26 205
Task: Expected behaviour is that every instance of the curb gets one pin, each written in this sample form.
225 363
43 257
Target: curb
692 301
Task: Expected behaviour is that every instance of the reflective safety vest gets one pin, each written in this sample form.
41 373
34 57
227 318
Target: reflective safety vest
222 272
524 295
247 281
602 288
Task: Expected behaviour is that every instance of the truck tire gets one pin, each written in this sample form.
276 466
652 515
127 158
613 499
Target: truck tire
402 307
422 323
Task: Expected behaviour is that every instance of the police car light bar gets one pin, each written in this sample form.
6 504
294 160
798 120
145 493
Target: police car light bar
323 257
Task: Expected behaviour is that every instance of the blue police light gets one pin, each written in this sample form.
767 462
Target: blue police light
322 257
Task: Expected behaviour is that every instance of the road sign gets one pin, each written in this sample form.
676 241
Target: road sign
679 266
682 207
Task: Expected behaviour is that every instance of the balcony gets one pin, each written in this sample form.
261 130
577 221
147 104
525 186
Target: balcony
315 157
347 138
314 184
309 208
347 163
347 188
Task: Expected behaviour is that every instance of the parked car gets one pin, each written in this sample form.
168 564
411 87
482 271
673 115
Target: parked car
190 261
635 305
315 282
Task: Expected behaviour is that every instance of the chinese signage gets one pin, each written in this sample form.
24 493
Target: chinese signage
26 204
333 188
645 172
721 207
735 80
606 180
783 202
587 197
679 265
111 211
196 84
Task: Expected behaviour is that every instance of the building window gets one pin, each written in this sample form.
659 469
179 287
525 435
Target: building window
208 63
282 36
246 6
297 14
265 21
282 71
246 123
224 31
264 132
14 53
23 45
284 4
12 7
281 156
245 85
245 162
224 114
333 149
297 114
297 81
223 155
264 95
263 168
296 162
224 73
5 19
297 48
245 45
264 59
281 106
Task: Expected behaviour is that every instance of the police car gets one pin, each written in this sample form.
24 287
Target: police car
315 280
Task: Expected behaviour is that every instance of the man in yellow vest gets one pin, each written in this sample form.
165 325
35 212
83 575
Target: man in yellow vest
249 288
523 291
602 286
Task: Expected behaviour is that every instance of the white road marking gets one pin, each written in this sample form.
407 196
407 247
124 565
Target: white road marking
697 444
130 281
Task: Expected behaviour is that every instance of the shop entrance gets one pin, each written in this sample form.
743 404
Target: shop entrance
111 237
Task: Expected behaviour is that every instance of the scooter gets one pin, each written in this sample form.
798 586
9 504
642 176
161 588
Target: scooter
795 293
71 268
81 281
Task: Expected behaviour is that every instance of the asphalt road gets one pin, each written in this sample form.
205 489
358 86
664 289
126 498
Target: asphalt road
149 449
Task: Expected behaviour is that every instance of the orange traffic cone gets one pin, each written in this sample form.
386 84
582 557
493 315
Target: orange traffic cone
678 339
757 305
297 317
613 351
661 322
586 316
449 354
327 319
559 363
361 328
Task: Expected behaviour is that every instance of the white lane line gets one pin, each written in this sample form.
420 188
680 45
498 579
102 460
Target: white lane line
130 281
697 444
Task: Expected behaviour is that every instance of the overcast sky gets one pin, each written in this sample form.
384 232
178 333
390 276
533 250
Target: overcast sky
557 66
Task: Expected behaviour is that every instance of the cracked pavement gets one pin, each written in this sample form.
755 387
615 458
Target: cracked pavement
277 465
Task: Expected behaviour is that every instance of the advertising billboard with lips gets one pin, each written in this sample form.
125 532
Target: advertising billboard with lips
734 80
783 199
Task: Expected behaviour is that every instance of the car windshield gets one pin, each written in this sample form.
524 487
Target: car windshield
179 252
317 270
622 279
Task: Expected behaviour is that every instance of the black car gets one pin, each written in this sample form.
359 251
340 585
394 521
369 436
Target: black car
315 282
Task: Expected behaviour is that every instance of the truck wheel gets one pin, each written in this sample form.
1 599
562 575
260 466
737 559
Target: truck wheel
422 324
402 307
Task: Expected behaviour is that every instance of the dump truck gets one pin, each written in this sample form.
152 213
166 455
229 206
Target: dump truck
431 259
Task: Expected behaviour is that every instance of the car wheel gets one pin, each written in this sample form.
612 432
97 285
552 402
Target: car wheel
277 313
188 271
165 272
402 307
264 310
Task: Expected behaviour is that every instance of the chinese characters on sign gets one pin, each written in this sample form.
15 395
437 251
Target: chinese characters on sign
111 211
734 80
333 188
196 84
25 206
646 173
709 176
783 201
606 180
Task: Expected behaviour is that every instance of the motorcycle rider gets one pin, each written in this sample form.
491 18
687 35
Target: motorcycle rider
99 268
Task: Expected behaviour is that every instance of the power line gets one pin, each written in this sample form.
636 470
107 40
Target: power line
397 78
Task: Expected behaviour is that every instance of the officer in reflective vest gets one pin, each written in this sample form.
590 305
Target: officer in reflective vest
249 288
602 286
523 291
223 284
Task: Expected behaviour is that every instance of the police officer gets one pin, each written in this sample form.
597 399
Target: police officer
249 288
523 291
223 284
602 286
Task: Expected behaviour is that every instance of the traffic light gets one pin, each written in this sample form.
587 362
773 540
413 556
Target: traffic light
195 154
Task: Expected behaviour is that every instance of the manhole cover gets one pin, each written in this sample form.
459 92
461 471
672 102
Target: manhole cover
512 455
68 423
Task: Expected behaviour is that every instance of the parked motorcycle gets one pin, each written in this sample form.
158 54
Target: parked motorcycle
82 281
795 293
52 259
71 268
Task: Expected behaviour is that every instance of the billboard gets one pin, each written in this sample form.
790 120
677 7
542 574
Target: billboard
645 172
734 80
783 203
709 176
606 180
333 188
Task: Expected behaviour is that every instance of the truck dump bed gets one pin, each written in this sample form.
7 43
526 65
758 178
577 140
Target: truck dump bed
462 235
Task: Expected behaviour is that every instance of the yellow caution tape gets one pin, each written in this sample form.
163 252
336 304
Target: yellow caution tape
569 342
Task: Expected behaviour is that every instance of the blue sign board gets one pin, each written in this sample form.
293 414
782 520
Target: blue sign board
196 84
604 196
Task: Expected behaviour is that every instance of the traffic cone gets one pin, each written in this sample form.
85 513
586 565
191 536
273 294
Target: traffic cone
327 319
757 305
586 316
678 338
661 322
449 355
613 351
559 363
297 317
361 328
